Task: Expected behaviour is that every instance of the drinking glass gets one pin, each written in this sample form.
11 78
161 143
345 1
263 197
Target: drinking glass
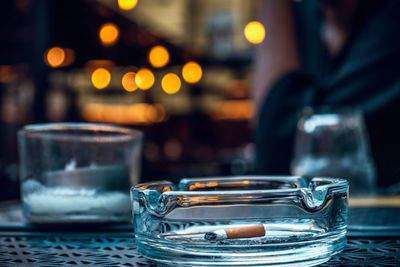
78 172
334 143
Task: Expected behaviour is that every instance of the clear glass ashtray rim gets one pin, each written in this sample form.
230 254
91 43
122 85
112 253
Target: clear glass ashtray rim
338 185
160 197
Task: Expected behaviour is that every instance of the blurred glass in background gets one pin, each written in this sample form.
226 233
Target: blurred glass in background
335 143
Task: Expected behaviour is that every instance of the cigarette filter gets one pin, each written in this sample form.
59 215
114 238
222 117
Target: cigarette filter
237 232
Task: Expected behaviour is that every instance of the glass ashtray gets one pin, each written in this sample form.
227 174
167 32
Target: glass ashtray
236 221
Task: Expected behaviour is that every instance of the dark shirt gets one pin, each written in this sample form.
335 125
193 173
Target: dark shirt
365 74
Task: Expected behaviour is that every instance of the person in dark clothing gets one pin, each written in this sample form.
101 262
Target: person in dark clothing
328 53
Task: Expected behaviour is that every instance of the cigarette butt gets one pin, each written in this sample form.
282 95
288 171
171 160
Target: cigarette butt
237 232
245 232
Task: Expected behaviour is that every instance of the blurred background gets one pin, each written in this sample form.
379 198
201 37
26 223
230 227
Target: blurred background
179 70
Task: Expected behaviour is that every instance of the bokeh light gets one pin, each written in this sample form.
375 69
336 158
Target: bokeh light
233 110
127 4
138 113
55 56
69 57
192 72
7 73
108 34
254 32
101 78
158 56
171 83
144 79
128 82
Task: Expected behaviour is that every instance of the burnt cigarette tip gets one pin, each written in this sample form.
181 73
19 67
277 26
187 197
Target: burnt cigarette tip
210 236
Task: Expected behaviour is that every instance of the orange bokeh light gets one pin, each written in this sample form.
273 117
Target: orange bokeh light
158 56
108 34
144 79
7 73
101 78
171 83
233 110
55 56
69 57
139 113
192 72
128 82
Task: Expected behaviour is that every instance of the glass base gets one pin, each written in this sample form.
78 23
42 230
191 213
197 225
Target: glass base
305 253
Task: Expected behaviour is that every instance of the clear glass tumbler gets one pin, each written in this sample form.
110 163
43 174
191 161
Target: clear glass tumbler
78 172
334 143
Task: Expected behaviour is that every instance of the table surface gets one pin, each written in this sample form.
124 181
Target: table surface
373 240
119 249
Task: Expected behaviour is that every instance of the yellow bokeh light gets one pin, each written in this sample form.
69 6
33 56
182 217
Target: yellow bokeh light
108 34
254 32
55 56
128 81
127 4
158 56
101 78
171 83
144 79
192 72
